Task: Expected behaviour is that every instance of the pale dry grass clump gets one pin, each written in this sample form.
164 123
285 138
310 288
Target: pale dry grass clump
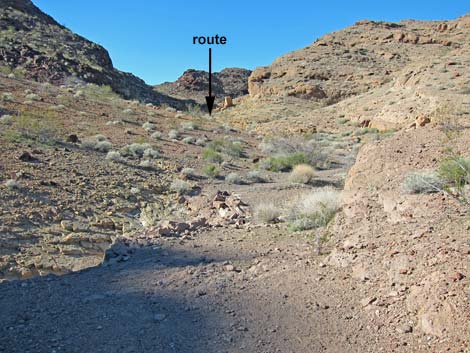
302 174
234 178
114 156
12 184
267 213
314 210
422 182
181 187
148 126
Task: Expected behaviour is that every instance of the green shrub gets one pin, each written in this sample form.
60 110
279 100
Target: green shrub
283 163
455 171
211 171
233 149
37 125
212 155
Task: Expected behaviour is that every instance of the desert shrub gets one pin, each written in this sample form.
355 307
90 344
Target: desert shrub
211 171
148 126
314 210
114 122
145 163
189 140
12 184
422 182
173 134
365 130
455 171
302 174
103 146
255 176
267 213
37 125
194 109
189 126
234 178
181 187
100 138
216 145
201 141
114 156
135 190
57 107
170 109
189 172
233 149
157 135
150 153
136 149
6 119
33 97
283 163
212 155
98 92
7 97
342 121
128 111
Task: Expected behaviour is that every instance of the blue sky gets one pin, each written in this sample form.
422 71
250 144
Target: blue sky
153 38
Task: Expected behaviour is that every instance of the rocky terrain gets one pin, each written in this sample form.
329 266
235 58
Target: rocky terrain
326 211
41 49
194 84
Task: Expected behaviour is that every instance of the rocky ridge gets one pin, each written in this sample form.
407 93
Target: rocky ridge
194 84
39 48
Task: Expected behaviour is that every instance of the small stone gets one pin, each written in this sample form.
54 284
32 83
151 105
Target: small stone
367 301
229 268
159 317
405 329
457 276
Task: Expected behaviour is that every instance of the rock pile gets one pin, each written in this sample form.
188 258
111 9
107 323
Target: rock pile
223 209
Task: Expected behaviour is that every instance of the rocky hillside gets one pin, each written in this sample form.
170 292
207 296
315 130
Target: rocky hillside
39 48
378 74
194 84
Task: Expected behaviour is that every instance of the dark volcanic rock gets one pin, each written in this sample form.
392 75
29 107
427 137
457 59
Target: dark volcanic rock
194 84
49 52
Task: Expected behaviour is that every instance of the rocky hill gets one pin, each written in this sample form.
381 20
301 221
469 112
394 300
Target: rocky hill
194 84
41 49
382 75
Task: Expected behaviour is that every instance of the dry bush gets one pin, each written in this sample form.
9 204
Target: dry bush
302 174
314 210
267 213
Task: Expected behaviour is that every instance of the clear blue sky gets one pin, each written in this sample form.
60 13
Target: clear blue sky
153 38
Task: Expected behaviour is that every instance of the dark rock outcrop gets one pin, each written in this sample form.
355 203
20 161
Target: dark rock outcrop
46 51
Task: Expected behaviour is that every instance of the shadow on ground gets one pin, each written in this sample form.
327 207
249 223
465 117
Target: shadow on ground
134 306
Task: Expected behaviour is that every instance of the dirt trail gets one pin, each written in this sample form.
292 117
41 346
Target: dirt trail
223 291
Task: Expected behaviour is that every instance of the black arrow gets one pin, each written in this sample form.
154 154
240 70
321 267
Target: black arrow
210 98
